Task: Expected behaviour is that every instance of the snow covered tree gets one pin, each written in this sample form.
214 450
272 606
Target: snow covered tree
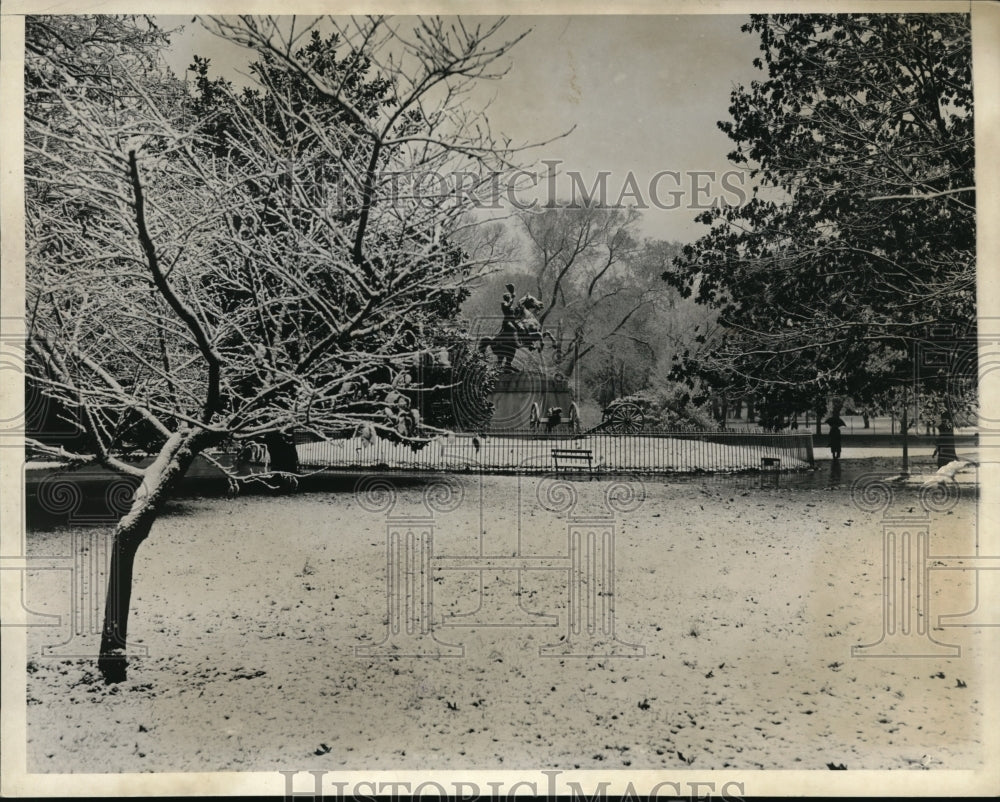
201 269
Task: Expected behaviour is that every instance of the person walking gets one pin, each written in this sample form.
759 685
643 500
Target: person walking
836 423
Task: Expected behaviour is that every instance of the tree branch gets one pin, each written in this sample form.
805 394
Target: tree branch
180 308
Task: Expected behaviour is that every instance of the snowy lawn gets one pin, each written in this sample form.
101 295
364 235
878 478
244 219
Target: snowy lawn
746 604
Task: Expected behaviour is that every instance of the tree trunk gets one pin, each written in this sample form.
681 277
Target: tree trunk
114 636
904 428
161 477
281 447
570 358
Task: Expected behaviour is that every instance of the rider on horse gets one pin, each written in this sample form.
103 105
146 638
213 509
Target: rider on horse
519 329
519 320
513 312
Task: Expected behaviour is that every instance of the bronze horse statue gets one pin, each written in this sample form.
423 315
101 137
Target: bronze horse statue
522 332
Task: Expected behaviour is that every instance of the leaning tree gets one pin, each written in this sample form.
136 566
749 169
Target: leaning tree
205 268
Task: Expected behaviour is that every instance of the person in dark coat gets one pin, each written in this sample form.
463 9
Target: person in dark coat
836 424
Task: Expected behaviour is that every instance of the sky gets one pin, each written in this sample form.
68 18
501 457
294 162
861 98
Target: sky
643 92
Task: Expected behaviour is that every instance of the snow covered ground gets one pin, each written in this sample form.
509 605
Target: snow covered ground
746 605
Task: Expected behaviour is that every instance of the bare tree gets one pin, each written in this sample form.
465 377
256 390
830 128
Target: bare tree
585 265
192 288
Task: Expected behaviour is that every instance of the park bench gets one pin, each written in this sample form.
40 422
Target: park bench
770 468
577 455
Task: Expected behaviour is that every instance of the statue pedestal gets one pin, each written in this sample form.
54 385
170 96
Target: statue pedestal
517 391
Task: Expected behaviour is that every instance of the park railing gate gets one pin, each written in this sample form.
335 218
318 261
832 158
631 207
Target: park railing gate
532 452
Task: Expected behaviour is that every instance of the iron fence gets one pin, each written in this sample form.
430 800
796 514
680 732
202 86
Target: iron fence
531 452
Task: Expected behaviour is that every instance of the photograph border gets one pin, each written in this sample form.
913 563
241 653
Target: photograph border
16 781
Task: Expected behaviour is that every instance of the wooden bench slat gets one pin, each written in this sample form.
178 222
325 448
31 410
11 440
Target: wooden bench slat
577 454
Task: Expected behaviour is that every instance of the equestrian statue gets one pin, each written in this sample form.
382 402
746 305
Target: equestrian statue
519 329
